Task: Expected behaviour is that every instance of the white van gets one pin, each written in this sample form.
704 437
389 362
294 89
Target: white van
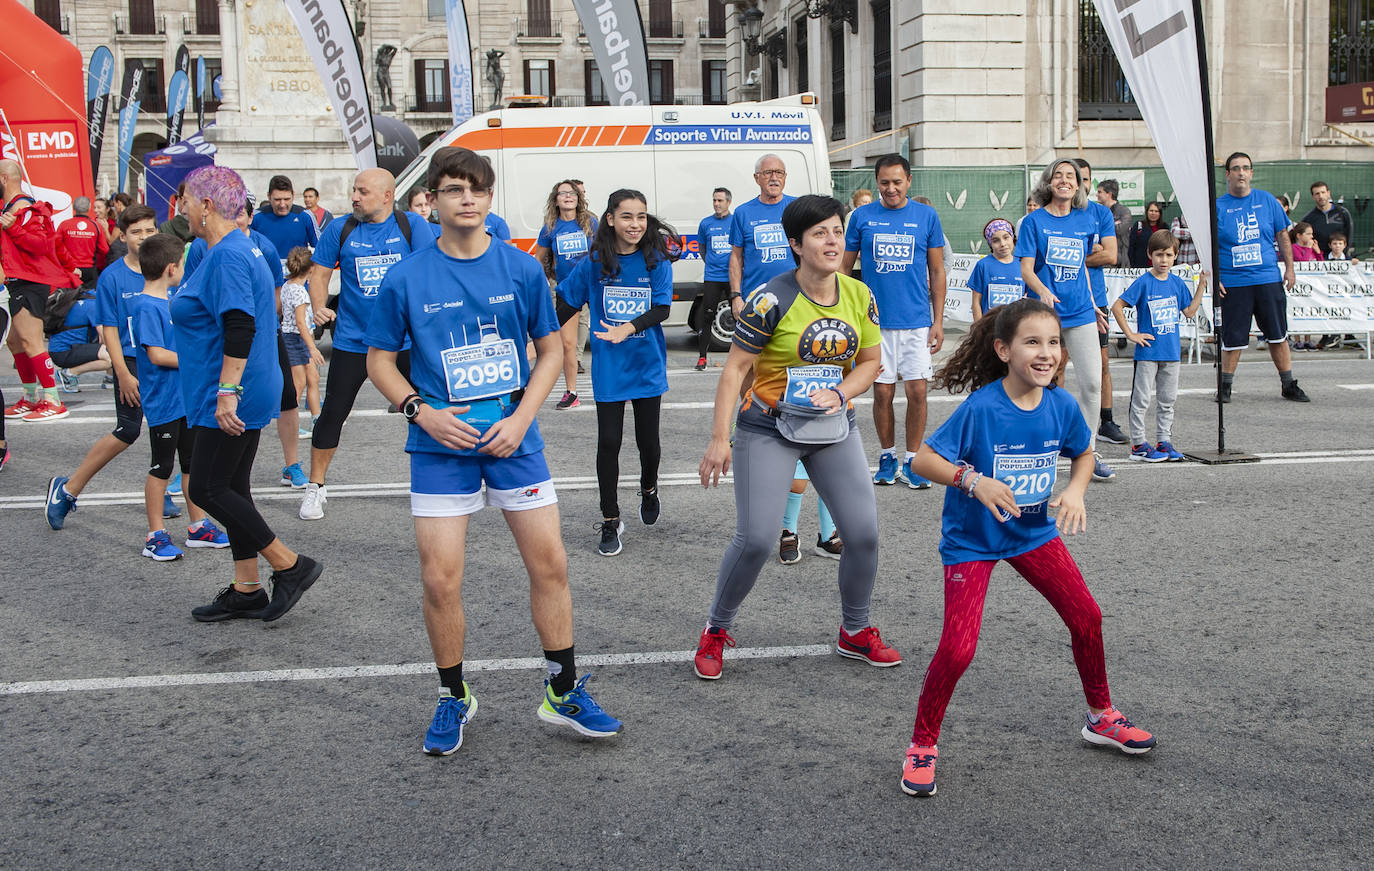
675 155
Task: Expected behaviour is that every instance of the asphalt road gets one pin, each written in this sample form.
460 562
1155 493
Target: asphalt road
1237 617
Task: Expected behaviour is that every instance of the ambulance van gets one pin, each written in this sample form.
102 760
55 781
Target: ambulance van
675 155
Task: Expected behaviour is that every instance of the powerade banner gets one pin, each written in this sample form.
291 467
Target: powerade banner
459 61
1156 44
178 89
200 93
128 115
328 36
616 35
99 81
183 59
727 134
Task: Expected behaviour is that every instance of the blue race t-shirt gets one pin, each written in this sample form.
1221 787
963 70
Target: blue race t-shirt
1246 228
637 367
497 227
997 283
1106 229
893 246
196 254
713 238
756 229
79 328
288 231
234 276
159 388
1061 247
371 249
1158 305
468 321
568 244
1017 447
116 286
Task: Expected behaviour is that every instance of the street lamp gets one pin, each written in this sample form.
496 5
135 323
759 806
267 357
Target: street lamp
751 22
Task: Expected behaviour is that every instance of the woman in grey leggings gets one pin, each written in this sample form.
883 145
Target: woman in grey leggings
811 337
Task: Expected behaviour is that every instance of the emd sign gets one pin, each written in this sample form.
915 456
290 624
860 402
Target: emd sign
48 141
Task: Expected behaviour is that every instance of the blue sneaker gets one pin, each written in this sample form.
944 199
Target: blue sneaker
1146 453
1102 471
294 477
159 547
169 508
577 710
445 734
209 535
913 480
60 503
174 485
887 469
1174 455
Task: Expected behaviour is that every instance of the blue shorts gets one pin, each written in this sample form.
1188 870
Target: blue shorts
1266 303
443 485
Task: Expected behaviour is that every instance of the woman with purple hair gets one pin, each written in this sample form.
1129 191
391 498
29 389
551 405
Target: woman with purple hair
225 319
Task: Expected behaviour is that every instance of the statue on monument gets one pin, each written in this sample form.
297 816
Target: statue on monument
384 57
495 76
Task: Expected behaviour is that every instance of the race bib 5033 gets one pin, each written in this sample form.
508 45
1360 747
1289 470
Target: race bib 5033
893 252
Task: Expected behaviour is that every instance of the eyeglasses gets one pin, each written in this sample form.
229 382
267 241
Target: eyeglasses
772 173
457 190
567 193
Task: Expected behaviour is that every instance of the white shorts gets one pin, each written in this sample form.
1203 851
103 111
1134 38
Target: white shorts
448 486
906 354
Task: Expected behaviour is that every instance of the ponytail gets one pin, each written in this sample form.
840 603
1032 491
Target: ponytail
975 362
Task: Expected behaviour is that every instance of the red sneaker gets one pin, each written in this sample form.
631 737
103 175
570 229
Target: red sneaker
1112 729
918 774
20 408
711 652
46 411
867 645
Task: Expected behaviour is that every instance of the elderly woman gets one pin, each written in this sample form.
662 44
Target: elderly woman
225 320
811 337
1054 245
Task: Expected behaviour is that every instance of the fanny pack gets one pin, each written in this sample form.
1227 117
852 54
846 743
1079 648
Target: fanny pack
809 425
482 414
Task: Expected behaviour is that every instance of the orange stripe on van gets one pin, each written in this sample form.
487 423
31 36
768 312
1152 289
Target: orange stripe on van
494 138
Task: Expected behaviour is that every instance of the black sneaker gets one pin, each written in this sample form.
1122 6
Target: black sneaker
1292 391
230 603
830 548
788 551
649 506
1223 393
701 364
290 585
1110 432
610 536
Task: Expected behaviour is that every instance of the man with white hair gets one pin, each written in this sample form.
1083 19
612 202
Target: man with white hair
758 246
362 247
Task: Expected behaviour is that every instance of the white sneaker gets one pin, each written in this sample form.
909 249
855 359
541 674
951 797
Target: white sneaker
312 505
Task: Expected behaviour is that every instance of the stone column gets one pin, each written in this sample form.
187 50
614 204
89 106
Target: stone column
228 111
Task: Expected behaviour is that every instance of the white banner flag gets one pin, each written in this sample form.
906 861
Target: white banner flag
459 61
328 36
1156 44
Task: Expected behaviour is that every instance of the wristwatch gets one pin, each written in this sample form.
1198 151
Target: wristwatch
411 407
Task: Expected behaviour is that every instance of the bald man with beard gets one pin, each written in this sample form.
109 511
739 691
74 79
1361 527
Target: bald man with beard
362 247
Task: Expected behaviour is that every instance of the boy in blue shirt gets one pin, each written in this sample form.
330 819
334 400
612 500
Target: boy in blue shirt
160 393
1158 296
468 305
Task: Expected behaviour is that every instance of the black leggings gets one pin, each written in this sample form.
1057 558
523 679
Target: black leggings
170 442
713 292
221 474
128 418
610 429
347 372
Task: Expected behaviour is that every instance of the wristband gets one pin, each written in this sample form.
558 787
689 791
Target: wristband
959 476
840 393
230 389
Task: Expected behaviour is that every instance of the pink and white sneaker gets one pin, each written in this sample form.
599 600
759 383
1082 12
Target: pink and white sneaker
47 410
1112 729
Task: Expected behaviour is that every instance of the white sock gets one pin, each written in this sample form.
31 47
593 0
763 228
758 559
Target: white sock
890 451
195 527
910 455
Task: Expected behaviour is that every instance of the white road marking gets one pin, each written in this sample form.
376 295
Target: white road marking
159 681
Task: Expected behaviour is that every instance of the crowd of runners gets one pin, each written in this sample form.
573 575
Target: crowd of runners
206 327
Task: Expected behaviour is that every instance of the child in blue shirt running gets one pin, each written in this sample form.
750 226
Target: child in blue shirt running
1158 297
997 456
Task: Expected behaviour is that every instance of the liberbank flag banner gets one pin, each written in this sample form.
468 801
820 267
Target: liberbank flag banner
328 36
459 62
99 81
128 115
1156 44
1330 297
616 35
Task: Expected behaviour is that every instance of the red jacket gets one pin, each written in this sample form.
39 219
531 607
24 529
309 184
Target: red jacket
28 246
79 241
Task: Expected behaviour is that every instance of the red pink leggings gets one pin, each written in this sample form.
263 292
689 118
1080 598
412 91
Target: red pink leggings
1052 572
